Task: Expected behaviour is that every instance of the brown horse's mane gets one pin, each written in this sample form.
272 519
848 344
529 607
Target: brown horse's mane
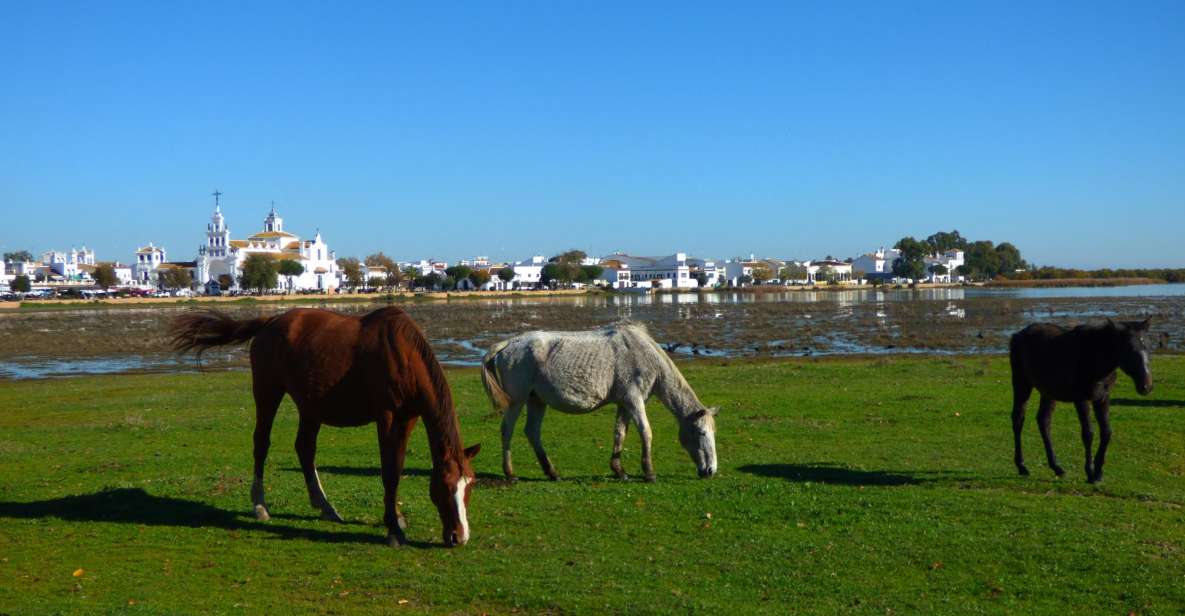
404 330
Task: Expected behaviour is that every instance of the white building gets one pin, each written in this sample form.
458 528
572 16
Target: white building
736 268
877 265
146 269
222 257
669 272
528 273
69 265
823 271
951 260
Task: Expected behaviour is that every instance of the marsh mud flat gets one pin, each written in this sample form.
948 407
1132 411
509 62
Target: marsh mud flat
712 324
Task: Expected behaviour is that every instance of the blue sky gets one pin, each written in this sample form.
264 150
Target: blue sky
505 129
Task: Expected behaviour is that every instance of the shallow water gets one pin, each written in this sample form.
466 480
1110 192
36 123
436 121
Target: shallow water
953 320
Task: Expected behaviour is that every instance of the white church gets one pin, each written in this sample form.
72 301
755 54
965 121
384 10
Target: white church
222 257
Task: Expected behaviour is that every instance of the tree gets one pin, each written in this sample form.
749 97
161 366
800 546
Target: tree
762 273
938 269
410 273
479 277
20 256
394 277
382 260
458 272
104 276
431 281
21 284
290 268
946 240
225 281
745 279
259 273
176 278
506 274
911 262
551 273
794 272
701 279
591 272
352 270
565 267
1009 259
825 274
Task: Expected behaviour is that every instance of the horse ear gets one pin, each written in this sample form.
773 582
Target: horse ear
470 452
1144 325
1110 323
714 410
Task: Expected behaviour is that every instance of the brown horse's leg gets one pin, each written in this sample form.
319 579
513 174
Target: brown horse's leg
1044 416
1021 390
1102 414
534 429
509 418
619 432
267 401
1083 408
393 435
306 451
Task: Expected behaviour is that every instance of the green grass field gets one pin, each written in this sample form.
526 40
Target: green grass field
865 485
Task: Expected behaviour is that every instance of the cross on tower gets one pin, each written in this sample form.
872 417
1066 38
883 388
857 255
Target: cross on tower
216 194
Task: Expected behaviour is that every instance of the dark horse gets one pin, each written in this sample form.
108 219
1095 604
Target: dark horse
349 371
1078 366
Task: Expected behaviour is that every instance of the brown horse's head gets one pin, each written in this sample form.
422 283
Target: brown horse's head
1128 339
452 481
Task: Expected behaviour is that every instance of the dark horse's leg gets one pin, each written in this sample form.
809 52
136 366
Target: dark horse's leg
1021 390
306 450
393 435
267 401
1083 408
1102 414
534 429
1044 416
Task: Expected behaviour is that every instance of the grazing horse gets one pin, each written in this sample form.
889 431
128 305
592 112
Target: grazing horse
343 371
579 372
1079 366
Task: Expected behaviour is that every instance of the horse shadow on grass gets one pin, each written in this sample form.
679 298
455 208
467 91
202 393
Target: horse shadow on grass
373 471
1146 402
135 506
838 475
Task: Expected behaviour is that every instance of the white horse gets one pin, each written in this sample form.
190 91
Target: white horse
579 372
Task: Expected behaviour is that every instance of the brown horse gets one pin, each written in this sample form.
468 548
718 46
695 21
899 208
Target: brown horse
348 371
1079 366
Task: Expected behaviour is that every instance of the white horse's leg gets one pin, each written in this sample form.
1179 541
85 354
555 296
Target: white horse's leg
534 430
639 412
619 431
509 418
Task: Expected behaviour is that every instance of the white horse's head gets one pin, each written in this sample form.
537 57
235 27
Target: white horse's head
697 433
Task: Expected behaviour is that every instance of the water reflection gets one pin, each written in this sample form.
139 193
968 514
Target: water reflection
779 323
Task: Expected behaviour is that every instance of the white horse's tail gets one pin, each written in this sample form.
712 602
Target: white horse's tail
489 378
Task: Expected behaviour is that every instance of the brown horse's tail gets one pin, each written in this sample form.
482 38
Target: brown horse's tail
489 378
201 329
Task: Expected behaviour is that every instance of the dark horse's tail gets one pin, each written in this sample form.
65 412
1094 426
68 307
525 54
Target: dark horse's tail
202 329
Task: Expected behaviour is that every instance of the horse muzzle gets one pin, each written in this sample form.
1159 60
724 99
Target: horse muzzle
1145 388
706 472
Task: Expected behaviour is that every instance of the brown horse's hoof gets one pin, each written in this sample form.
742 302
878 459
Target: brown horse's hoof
1023 470
261 513
512 479
651 478
552 475
1059 471
331 515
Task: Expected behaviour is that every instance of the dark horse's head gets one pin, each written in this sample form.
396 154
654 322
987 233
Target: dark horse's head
452 481
1128 345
